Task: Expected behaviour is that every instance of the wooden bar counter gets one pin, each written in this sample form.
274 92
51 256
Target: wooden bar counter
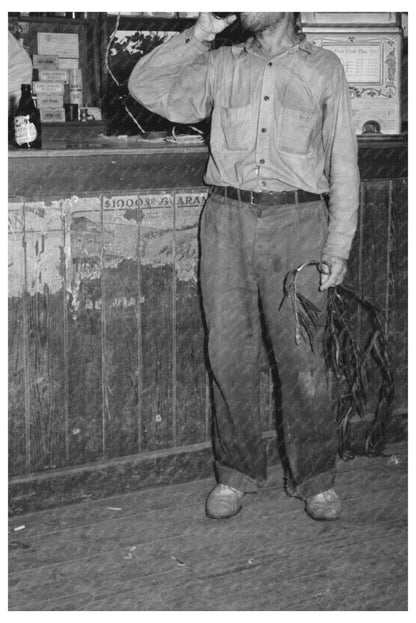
107 378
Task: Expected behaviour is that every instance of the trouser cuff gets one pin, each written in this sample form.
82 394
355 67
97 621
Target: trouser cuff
233 478
313 486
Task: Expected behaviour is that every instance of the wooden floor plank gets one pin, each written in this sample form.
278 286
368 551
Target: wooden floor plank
153 499
259 518
266 577
357 558
193 545
56 543
161 553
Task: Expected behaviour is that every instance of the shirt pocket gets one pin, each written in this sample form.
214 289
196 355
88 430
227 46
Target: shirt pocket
296 132
236 125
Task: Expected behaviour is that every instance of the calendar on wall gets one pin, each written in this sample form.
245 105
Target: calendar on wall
369 46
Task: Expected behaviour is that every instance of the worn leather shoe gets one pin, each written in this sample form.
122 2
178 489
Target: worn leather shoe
223 502
325 506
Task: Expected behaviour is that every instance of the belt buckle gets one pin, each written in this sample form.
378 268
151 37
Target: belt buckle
251 198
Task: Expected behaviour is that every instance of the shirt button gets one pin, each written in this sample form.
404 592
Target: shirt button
264 183
270 64
187 40
262 161
266 98
264 130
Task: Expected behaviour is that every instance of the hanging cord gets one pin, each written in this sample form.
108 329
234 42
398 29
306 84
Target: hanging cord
107 64
186 138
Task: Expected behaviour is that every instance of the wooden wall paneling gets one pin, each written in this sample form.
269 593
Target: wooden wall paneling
189 356
157 281
397 293
66 217
120 301
45 326
17 342
85 335
375 238
375 258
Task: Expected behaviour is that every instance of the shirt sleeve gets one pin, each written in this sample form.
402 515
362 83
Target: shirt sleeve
174 79
20 67
341 165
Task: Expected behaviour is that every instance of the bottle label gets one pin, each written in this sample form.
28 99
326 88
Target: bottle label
75 95
24 130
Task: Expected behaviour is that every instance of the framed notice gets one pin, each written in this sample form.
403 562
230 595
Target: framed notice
362 63
372 63
351 19
63 45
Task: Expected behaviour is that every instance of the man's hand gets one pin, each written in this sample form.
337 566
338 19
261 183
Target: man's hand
207 26
333 270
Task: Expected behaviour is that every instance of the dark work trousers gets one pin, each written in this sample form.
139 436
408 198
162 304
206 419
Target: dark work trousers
246 251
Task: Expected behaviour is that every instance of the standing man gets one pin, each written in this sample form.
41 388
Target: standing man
281 141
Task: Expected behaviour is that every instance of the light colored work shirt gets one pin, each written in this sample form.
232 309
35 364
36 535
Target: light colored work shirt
277 123
20 67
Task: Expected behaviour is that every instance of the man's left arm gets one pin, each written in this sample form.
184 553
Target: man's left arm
341 169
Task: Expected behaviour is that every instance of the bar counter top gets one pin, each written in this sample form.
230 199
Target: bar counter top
101 168
116 165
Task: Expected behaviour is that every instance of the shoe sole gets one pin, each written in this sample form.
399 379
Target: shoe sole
210 516
322 518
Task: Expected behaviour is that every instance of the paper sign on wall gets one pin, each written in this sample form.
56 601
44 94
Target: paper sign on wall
64 45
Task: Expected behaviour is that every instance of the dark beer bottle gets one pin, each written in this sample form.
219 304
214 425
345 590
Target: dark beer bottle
27 127
222 15
10 125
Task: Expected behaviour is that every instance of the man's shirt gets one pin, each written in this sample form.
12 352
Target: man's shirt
277 124
20 67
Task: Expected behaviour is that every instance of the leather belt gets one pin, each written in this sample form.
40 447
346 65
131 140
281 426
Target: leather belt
269 197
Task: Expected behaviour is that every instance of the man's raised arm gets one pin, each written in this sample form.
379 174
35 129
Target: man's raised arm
175 80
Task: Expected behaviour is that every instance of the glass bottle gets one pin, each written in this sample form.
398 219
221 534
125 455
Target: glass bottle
10 125
27 126
222 15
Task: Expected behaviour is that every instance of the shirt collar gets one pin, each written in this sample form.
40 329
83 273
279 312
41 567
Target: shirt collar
239 48
303 44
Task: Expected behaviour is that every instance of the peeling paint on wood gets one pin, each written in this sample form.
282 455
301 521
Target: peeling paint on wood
82 257
45 222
